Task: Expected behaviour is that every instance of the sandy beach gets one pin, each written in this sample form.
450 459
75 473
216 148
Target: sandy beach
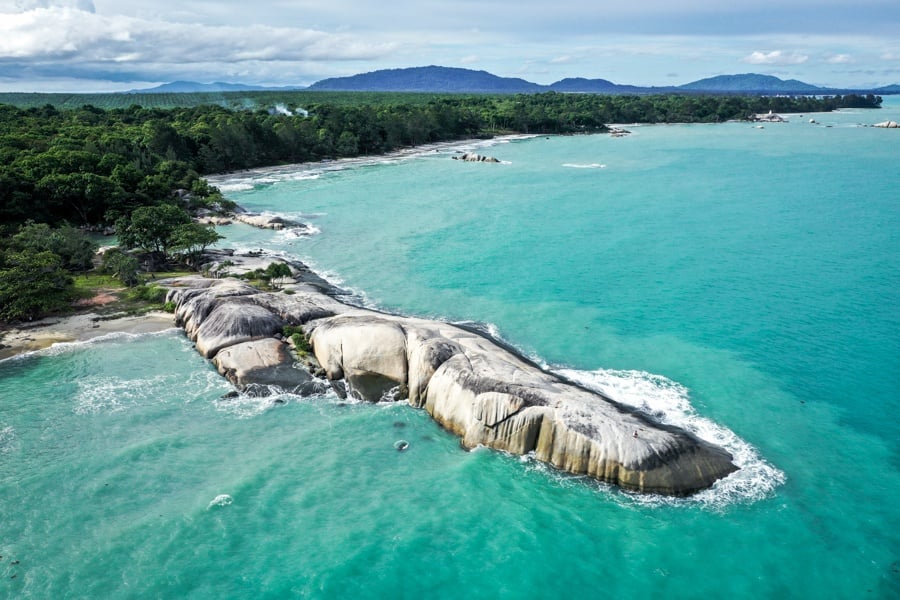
81 327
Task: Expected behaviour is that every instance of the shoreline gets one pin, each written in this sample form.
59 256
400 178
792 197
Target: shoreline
218 179
81 327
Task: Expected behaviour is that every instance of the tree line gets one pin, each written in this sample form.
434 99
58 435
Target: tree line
141 169
92 166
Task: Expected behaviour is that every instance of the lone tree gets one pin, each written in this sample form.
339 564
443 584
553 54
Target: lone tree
192 239
152 228
122 266
278 270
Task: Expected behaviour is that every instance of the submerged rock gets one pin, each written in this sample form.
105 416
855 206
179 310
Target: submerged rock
469 384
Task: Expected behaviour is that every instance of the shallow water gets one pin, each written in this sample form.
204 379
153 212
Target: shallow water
736 281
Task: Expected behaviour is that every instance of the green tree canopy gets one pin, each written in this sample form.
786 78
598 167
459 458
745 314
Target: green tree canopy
74 248
278 272
192 239
31 284
152 228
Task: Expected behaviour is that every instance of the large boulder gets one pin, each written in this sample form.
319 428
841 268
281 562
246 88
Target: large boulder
267 221
368 352
265 366
232 322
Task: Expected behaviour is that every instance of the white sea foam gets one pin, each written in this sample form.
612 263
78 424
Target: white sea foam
98 394
7 438
220 500
669 402
249 179
60 348
584 166
292 233
303 176
204 383
237 186
247 406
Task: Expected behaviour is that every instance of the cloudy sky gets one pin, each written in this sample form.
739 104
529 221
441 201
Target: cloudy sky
101 45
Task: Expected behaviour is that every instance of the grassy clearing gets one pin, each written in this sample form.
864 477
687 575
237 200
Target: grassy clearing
136 300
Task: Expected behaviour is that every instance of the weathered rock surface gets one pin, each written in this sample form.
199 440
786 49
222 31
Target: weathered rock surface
266 221
470 385
264 364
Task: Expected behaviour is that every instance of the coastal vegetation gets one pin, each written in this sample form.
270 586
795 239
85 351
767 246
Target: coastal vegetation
138 170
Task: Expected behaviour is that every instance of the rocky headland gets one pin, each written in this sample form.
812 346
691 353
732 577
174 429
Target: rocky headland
473 386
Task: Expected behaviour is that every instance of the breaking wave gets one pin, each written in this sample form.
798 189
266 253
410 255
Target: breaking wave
669 402
220 500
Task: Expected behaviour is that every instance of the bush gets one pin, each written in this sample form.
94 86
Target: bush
122 266
301 343
148 293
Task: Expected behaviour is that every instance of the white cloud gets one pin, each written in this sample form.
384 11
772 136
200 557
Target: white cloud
66 32
839 59
284 42
775 57
10 6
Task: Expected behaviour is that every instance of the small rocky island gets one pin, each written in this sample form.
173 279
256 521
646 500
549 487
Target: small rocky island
471 385
473 157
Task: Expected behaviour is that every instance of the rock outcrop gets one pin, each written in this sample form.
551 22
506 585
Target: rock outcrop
769 117
260 365
469 384
473 157
267 221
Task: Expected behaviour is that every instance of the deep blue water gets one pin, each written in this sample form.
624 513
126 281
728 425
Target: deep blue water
741 282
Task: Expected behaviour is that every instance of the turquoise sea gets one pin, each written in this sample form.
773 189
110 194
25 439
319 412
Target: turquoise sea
738 281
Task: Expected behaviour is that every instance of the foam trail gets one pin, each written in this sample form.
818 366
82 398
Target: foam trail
669 402
7 438
584 166
235 186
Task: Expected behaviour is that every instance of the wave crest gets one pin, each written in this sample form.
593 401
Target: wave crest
669 402
584 166
220 500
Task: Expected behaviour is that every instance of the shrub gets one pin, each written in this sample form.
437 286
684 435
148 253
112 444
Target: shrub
301 343
148 293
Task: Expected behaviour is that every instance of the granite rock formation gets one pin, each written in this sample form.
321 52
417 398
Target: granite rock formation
471 385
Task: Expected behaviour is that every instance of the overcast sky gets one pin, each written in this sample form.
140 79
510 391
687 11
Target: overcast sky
100 45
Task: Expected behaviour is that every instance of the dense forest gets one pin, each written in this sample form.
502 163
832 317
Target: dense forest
140 168
91 166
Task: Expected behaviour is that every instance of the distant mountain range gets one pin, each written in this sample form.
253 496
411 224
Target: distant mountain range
435 79
182 87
